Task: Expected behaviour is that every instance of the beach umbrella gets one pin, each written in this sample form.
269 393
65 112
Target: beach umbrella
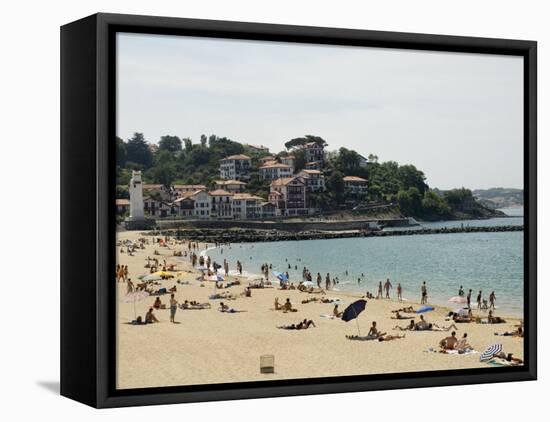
458 299
152 277
425 309
491 351
135 297
216 277
463 312
202 268
353 311
308 284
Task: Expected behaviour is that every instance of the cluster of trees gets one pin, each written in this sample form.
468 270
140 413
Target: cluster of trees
179 160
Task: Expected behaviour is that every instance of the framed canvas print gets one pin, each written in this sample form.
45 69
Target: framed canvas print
255 210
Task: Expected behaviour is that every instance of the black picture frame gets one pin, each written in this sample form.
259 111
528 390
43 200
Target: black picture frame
88 214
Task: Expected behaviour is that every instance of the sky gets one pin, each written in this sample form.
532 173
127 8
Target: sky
458 117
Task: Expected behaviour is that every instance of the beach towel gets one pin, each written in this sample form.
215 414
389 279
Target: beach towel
458 352
327 316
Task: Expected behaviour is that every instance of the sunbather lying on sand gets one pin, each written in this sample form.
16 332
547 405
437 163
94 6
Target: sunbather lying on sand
410 327
311 299
494 319
509 358
194 305
302 325
399 316
224 308
515 333
390 337
407 310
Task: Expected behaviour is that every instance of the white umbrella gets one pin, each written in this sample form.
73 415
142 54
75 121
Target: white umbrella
308 284
458 299
134 297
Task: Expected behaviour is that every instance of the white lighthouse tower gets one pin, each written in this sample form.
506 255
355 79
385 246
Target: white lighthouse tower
136 197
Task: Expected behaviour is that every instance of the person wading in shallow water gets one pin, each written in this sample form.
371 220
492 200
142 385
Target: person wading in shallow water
424 292
387 287
399 292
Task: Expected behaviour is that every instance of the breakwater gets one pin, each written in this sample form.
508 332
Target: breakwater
244 235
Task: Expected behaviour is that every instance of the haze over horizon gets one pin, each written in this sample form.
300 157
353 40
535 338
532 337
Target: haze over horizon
457 117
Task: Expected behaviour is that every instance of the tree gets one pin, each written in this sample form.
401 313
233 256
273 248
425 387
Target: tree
433 205
188 144
137 151
373 158
297 142
204 139
410 177
348 161
299 160
336 186
410 201
170 143
120 152
455 197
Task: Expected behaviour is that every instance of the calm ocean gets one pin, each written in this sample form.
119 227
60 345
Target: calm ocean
477 261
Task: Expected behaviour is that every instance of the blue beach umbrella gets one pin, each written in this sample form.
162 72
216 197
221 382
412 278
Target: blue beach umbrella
353 311
425 309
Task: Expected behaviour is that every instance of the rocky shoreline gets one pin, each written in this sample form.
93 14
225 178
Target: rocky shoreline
255 235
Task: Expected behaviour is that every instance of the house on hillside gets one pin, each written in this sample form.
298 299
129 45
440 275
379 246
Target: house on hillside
267 159
233 186
258 149
157 190
222 204
235 167
269 210
289 160
274 171
315 180
315 153
289 196
203 204
356 185
246 206
122 206
181 189
184 206
156 208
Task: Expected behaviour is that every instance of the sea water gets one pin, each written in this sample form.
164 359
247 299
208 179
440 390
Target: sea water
477 261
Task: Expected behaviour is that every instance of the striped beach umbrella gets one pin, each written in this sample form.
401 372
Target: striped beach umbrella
492 350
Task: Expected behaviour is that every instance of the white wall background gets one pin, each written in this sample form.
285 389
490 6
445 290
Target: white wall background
29 101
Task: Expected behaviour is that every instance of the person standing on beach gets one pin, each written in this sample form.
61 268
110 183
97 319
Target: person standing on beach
173 308
130 285
424 292
387 287
492 299
379 295
461 291
399 292
479 300
240 267
319 279
469 298
327 281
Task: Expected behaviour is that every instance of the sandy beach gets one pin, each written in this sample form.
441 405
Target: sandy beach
208 346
